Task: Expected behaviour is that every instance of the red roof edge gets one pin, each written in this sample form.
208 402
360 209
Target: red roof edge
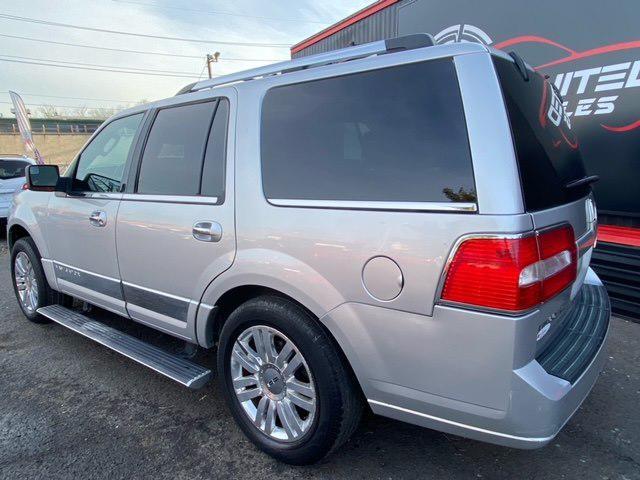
341 25
629 236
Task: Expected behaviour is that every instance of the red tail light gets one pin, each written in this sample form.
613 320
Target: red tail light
512 273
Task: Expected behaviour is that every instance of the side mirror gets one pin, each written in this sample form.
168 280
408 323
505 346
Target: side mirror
64 185
42 177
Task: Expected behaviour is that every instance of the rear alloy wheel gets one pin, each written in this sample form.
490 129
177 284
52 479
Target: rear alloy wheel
285 381
273 383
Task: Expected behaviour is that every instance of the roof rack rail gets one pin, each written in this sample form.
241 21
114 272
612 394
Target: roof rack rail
407 42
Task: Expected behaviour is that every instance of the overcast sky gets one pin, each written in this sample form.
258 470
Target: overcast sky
283 22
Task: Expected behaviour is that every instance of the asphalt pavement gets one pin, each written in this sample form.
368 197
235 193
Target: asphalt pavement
71 409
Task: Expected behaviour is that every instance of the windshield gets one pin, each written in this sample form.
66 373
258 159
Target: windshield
547 151
12 168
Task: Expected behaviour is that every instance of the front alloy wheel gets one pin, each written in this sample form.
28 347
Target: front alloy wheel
25 282
273 383
29 281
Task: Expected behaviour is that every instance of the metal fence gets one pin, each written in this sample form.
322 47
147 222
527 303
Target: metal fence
52 127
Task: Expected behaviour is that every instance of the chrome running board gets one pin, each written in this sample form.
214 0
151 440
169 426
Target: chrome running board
183 371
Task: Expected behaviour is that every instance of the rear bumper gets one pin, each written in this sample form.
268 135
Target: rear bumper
473 374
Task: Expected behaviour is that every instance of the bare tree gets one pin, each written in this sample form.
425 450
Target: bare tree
80 112
49 111
104 112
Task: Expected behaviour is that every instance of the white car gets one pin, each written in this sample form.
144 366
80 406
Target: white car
11 180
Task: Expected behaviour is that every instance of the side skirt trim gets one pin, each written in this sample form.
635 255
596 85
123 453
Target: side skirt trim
159 302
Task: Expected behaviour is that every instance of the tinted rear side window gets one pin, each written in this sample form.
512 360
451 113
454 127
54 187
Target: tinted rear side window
396 134
173 156
547 150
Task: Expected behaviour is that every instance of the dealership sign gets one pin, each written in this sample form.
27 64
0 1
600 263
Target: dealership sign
589 82
593 61
591 57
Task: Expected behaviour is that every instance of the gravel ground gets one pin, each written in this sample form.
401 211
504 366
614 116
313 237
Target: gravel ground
72 409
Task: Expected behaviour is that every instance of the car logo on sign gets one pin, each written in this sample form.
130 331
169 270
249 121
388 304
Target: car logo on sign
462 32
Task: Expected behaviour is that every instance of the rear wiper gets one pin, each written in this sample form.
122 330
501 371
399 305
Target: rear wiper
582 181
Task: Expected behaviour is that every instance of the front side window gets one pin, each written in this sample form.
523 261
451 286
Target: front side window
173 156
101 164
393 135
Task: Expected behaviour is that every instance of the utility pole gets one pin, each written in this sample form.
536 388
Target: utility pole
211 59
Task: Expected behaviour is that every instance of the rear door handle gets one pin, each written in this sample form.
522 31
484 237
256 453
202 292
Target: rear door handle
98 218
207 231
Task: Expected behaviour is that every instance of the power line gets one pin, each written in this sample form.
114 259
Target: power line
216 12
143 52
56 106
143 35
73 98
97 65
96 69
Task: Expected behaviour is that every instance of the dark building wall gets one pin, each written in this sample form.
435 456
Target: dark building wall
592 53
380 25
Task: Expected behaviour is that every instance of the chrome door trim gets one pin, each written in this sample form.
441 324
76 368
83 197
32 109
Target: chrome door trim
163 303
85 271
157 321
468 207
96 195
91 281
185 199
157 292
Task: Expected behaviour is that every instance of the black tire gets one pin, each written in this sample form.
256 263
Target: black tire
46 295
339 403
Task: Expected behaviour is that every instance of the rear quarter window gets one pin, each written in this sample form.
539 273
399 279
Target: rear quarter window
391 135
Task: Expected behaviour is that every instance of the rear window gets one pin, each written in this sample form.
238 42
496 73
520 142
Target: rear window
12 169
547 150
392 135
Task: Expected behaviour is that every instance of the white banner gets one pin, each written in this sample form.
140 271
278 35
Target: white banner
25 127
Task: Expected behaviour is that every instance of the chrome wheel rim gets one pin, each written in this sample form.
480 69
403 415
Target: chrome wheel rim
273 383
26 283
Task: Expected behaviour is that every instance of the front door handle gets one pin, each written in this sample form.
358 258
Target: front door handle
98 218
207 231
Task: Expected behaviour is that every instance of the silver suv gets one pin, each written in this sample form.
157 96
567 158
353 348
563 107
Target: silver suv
396 224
